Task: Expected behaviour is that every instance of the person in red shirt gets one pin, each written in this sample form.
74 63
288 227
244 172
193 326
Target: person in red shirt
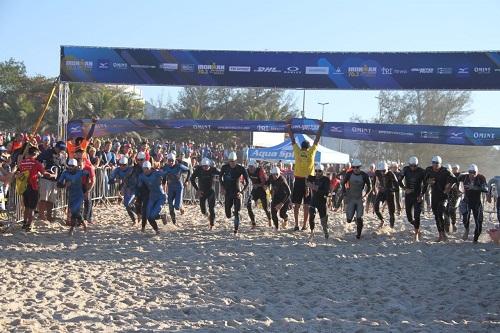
30 196
86 165
16 144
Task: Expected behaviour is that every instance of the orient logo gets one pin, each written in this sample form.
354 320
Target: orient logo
120 65
463 71
482 70
361 130
74 129
202 127
292 70
261 69
479 135
386 71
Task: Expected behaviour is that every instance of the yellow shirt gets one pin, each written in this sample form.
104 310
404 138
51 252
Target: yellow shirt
304 160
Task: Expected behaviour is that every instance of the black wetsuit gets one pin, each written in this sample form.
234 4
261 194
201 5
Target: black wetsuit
205 186
318 200
472 201
438 180
230 180
412 180
387 184
280 195
258 179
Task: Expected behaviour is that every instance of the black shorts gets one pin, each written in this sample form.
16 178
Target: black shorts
299 192
30 198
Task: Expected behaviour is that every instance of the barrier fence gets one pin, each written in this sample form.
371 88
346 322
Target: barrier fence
101 193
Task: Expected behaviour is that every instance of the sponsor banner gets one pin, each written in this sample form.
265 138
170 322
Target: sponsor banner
286 70
452 135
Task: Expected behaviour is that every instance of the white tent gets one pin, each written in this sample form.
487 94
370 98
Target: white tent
284 152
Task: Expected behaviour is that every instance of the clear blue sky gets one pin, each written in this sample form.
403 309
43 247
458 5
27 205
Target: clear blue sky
33 30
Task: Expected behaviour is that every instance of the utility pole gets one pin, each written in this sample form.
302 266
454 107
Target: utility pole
304 105
379 148
322 114
323 109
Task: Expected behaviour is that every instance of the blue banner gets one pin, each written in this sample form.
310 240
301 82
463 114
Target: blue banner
451 135
292 70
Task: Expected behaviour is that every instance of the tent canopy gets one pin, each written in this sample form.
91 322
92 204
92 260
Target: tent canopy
284 152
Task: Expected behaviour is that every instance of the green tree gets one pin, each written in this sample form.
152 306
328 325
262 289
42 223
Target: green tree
223 103
444 108
22 98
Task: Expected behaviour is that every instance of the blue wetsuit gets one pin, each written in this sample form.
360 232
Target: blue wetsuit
157 196
175 186
129 184
75 191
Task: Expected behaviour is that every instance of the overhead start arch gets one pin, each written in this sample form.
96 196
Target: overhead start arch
285 70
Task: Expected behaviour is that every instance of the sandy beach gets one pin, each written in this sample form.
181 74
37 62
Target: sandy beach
188 279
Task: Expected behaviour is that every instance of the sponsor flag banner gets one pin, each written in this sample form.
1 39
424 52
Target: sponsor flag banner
287 70
451 135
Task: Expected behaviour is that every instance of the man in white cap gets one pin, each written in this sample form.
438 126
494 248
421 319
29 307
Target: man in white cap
173 171
440 179
230 174
280 197
259 179
319 185
453 201
152 179
141 192
474 185
412 181
386 185
370 200
127 186
205 174
356 186
74 180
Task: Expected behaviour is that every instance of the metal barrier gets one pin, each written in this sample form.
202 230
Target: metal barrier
101 193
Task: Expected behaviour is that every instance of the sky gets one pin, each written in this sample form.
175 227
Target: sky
33 30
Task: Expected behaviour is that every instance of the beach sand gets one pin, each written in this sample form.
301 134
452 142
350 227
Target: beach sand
189 279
